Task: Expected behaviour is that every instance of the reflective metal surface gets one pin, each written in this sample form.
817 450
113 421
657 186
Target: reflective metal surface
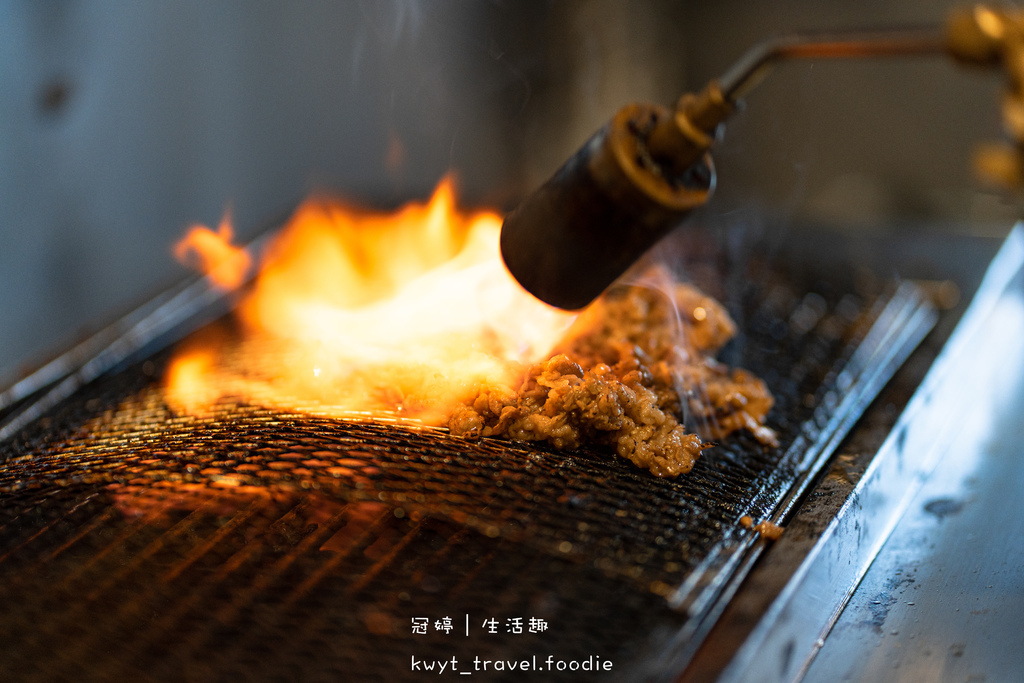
959 400
943 600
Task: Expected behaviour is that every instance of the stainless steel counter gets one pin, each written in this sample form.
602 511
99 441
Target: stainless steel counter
903 563
944 599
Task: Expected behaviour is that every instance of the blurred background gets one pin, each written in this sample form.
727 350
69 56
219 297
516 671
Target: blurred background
122 122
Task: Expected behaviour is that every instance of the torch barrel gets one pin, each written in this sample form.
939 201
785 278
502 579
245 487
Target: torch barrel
602 210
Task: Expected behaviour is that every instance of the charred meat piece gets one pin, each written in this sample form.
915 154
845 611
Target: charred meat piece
629 370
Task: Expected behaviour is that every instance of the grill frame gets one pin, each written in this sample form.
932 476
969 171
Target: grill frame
700 597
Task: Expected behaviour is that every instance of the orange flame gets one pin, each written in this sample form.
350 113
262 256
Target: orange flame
353 311
213 254
191 384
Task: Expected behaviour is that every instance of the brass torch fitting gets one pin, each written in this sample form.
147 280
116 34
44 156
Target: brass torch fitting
679 140
975 35
986 36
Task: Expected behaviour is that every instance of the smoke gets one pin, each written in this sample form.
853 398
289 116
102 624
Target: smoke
393 22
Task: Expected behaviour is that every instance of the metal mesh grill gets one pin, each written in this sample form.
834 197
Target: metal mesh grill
267 545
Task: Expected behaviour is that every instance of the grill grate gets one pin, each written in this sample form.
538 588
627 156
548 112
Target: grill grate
257 544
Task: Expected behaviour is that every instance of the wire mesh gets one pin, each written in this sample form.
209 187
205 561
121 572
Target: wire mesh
250 543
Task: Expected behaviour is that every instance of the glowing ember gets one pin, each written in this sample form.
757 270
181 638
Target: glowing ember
213 254
356 311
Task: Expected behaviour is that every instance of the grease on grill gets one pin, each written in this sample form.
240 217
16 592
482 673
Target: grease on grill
633 363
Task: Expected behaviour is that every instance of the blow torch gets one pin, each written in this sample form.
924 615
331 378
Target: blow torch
643 172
